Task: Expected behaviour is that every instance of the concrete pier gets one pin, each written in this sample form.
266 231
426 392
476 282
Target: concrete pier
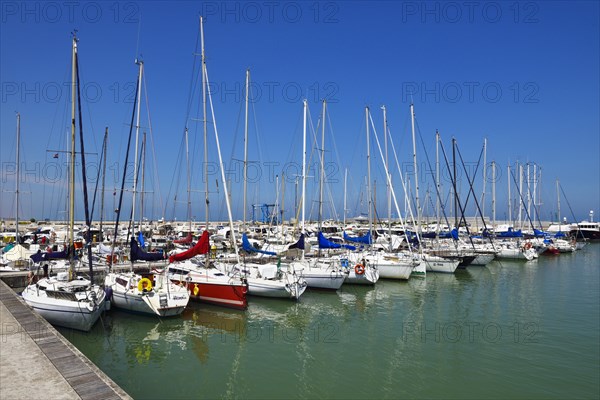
36 361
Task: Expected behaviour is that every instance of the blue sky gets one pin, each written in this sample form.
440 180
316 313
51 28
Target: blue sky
524 75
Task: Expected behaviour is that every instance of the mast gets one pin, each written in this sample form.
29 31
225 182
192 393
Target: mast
188 177
104 145
558 205
494 194
455 183
72 161
137 135
437 179
484 177
246 147
281 210
412 121
322 168
345 187
387 181
143 192
509 199
521 203
369 202
305 103
17 181
204 122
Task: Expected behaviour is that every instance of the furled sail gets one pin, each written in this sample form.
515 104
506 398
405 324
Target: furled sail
365 239
201 247
325 243
136 253
251 249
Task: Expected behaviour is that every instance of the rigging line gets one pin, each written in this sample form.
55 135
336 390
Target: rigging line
152 142
437 190
571 210
88 219
124 173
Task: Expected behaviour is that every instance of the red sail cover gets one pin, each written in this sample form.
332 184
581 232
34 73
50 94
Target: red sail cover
187 239
201 247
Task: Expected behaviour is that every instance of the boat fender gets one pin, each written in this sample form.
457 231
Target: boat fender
144 285
359 269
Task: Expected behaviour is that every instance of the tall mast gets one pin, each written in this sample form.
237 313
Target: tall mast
455 183
521 203
494 194
558 204
412 121
281 210
437 178
345 187
322 169
204 122
387 181
246 147
188 177
484 177
143 191
17 181
137 136
305 103
509 199
368 172
72 160
104 145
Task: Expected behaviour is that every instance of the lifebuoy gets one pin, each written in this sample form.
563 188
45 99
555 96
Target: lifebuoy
527 245
359 269
145 284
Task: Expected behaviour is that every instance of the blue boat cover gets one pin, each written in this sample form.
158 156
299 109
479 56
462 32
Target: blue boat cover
510 233
251 249
47 256
453 234
299 244
141 240
365 239
138 254
325 243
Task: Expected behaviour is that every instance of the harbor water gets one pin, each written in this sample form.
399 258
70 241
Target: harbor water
508 330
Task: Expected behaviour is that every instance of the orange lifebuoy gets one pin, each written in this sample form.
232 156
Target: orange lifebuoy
359 269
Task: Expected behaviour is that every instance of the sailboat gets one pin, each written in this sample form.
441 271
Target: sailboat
202 279
65 300
150 293
264 279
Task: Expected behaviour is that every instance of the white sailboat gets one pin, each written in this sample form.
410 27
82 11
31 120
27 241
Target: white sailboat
151 293
315 275
62 300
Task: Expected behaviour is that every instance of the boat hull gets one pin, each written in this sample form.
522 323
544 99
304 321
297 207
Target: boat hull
65 313
275 289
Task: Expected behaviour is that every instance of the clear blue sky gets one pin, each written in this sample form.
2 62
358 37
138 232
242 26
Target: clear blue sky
524 75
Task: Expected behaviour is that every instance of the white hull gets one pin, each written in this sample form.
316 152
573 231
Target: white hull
318 278
391 266
483 259
370 276
276 289
79 313
439 264
165 299
516 254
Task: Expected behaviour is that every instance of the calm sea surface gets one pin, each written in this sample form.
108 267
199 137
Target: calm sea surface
508 330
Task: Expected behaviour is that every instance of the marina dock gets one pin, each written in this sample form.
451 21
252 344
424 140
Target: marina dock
36 361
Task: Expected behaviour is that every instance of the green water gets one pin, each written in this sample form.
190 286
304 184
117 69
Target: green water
508 330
